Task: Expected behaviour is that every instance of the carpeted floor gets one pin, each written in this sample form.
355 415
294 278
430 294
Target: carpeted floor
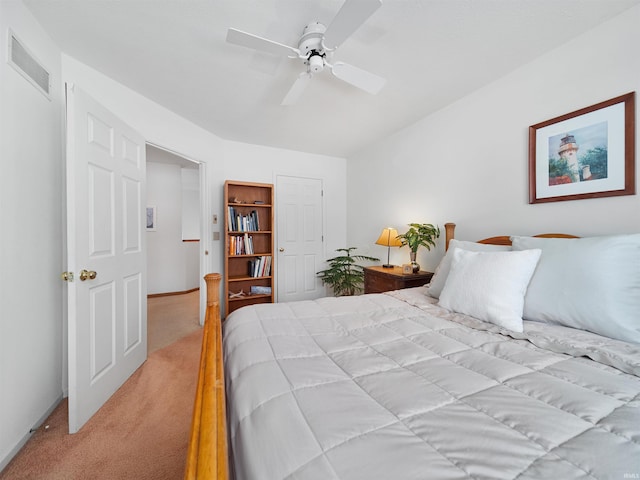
171 317
140 433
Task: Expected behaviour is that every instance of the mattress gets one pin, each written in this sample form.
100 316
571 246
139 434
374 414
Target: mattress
391 386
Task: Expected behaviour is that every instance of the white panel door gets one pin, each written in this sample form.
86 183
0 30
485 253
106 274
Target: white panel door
299 238
105 234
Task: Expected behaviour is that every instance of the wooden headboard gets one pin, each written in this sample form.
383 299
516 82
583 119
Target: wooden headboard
500 239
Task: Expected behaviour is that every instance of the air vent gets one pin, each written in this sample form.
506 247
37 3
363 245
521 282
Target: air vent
24 62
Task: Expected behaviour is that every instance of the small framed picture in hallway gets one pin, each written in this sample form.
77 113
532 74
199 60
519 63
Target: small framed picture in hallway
151 219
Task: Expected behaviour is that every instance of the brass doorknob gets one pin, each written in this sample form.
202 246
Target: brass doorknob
281 249
67 276
87 275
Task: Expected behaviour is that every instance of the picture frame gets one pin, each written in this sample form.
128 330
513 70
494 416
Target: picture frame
588 153
151 219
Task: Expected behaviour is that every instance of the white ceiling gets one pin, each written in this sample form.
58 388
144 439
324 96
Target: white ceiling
431 52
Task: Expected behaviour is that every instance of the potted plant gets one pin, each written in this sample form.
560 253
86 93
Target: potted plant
419 234
344 275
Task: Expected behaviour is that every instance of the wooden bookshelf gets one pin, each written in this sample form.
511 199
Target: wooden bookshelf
248 258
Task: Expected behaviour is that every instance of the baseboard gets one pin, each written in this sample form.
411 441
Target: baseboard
167 294
14 451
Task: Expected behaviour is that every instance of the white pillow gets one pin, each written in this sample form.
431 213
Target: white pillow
490 286
442 271
587 283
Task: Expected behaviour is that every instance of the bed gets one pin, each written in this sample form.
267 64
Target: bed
444 381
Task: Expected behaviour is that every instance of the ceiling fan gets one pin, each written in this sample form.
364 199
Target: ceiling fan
316 43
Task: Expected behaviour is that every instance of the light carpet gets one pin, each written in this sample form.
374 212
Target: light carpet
140 433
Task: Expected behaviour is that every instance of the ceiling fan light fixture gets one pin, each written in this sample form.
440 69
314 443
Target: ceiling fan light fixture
312 50
316 63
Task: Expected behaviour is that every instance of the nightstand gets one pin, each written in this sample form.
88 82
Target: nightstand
380 279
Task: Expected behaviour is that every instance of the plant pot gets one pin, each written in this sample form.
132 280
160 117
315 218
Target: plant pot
414 265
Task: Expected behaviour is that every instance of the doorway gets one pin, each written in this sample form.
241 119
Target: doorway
173 246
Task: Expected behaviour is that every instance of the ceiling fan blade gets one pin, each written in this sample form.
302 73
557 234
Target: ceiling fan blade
297 89
352 14
258 43
357 77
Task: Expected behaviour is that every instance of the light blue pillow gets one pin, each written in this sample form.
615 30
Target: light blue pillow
442 271
588 283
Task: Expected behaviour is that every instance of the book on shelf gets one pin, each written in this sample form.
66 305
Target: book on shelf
260 290
248 245
259 266
254 267
241 245
267 269
242 223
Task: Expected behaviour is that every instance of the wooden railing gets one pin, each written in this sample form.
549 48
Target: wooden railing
207 455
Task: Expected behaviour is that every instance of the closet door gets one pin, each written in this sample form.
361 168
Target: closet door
299 238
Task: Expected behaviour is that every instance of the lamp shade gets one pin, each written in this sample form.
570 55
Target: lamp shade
389 238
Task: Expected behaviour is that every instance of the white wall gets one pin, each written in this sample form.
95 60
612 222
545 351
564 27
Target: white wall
190 204
264 164
223 159
171 263
31 236
468 162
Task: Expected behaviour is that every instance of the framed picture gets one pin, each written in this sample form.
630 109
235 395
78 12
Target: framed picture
151 219
588 153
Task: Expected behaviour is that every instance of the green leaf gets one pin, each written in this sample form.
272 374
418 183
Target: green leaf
344 275
420 234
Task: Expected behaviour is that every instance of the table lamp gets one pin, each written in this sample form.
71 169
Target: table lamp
389 238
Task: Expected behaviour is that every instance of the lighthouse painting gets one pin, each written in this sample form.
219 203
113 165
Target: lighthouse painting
588 153
579 156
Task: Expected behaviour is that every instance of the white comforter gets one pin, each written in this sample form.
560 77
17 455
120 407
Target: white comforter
390 386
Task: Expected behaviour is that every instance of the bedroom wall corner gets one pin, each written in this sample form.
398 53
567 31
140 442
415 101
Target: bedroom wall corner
32 331
255 163
468 162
